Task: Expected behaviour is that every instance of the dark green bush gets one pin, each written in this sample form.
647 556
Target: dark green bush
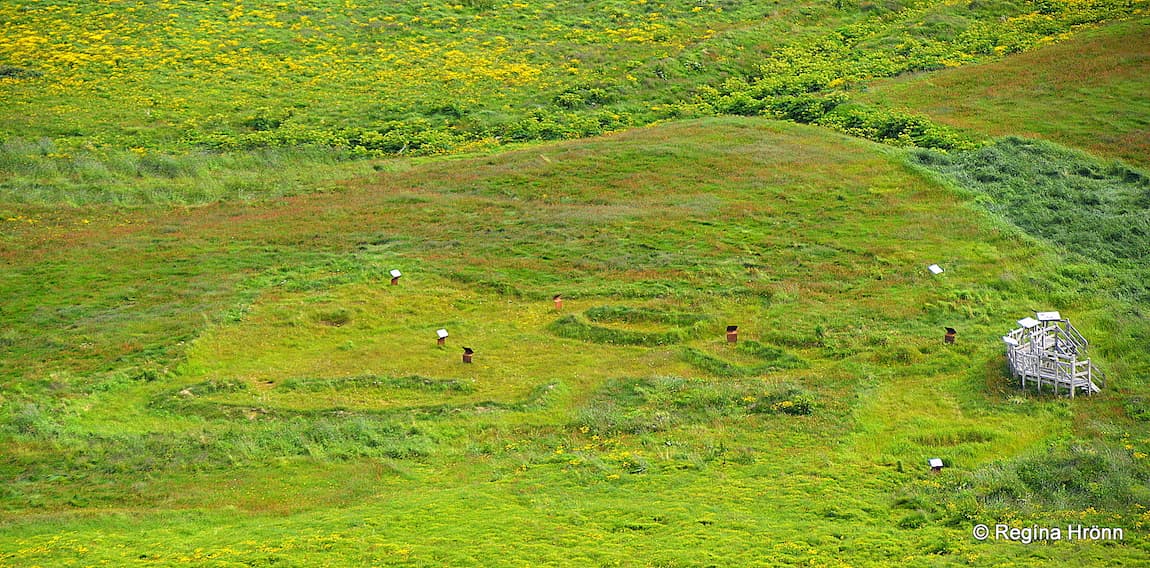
17 72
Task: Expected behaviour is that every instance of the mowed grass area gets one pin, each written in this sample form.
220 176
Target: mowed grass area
1089 92
238 384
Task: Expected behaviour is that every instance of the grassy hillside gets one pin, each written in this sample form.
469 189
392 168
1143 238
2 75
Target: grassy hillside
243 386
1089 208
202 360
186 102
1097 102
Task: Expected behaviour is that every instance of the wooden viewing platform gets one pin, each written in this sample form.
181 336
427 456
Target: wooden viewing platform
1047 349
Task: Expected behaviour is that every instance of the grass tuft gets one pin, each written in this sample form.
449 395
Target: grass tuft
572 327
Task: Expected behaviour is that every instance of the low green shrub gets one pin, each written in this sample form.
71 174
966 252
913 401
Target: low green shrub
31 420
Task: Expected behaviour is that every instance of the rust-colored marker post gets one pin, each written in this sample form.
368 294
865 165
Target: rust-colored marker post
949 337
442 334
467 353
558 302
732 334
395 274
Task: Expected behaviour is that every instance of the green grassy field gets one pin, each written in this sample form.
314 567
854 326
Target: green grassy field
180 102
1095 103
284 425
202 360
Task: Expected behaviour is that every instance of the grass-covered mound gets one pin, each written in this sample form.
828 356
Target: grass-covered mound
648 326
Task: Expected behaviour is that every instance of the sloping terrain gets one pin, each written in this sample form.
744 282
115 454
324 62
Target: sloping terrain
238 383
307 415
1090 92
